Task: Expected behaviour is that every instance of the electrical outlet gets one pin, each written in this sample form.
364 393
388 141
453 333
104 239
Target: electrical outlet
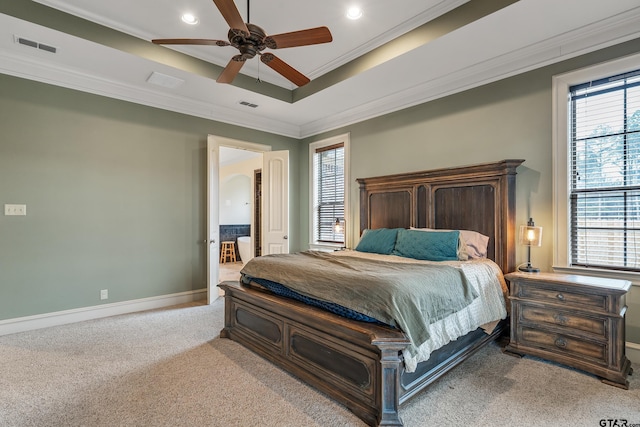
15 210
104 294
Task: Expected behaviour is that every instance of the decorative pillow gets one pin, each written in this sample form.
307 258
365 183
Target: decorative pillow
475 242
378 241
462 246
425 245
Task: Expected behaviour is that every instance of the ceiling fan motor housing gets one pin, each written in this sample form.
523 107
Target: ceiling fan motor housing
248 46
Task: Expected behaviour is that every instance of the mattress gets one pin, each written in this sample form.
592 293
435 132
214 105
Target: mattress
484 311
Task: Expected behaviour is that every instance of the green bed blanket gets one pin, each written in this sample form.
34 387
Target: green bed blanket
405 295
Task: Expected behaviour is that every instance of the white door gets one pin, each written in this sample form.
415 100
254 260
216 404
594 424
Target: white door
213 226
275 202
275 166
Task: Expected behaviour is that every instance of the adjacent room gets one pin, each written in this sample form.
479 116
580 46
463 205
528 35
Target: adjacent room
260 213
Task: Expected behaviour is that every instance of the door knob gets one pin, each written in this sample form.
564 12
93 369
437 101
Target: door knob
285 237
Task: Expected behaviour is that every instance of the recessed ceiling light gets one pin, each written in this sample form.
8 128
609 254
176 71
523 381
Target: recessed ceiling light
354 12
190 19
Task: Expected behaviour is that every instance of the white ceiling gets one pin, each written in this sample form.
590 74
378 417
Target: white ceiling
522 36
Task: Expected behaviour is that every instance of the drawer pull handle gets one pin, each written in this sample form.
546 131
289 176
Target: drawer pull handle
561 343
560 318
560 297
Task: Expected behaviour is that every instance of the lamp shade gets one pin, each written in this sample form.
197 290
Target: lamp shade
530 235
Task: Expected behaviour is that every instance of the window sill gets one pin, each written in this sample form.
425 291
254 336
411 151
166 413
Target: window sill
326 247
634 278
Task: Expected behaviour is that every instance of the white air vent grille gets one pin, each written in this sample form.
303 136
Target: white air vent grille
164 80
248 104
34 44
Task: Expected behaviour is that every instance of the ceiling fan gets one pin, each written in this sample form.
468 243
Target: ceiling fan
251 40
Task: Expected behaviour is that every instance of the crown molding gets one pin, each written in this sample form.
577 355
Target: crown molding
605 33
437 10
399 30
33 68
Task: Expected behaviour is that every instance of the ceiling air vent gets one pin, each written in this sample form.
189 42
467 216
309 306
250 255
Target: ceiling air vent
47 48
248 104
27 42
34 44
164 80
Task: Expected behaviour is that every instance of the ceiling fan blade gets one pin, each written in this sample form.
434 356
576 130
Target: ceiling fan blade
230 14
230 71
299 38
284 69
192 41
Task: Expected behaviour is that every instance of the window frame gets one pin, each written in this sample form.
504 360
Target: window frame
314 243
561 163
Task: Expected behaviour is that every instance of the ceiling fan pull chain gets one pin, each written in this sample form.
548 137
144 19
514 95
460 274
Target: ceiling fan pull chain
248 15
258 79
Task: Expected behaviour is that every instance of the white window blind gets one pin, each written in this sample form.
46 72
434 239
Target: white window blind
605 173
329 167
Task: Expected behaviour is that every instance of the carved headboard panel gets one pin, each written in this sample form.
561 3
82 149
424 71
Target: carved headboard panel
477 197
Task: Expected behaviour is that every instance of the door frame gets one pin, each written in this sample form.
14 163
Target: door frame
214 142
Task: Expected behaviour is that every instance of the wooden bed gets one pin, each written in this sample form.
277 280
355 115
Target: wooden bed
360 364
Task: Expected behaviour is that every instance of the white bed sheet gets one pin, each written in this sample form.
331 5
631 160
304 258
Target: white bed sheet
485 311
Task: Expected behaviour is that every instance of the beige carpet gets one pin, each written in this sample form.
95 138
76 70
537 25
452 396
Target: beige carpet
168 367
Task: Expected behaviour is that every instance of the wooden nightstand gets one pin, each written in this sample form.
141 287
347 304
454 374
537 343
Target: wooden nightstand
574 320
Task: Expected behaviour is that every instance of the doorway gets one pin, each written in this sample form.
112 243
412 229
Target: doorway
238 223
273 214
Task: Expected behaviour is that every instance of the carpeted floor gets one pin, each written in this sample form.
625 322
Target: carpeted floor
168 367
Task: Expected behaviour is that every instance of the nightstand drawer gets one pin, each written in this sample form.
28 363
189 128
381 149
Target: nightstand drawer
559 296
542 315
585 350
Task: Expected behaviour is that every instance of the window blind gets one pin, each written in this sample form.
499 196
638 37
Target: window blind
329 167
605 173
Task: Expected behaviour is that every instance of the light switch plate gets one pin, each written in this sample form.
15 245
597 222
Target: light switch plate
15 209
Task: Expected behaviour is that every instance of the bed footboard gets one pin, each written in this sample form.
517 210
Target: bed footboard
357 364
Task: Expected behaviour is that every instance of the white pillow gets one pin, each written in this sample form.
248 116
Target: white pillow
475 243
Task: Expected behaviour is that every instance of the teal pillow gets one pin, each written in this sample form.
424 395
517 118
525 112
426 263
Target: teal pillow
425 245
378 241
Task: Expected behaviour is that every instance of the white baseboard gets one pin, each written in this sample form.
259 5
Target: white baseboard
633 352
29 323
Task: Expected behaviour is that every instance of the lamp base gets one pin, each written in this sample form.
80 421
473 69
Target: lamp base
529 269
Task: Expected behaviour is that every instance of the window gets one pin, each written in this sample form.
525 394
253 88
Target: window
597 170
605 172
328 190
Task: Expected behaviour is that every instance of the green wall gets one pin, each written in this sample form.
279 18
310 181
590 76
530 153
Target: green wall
115 195
115 192
508 119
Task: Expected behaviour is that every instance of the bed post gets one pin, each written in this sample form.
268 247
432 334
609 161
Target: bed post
391 371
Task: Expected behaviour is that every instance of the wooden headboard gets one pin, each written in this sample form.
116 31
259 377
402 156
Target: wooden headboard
477 197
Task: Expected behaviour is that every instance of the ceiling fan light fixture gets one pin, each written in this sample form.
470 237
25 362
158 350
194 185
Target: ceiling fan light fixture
354 13
189 18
